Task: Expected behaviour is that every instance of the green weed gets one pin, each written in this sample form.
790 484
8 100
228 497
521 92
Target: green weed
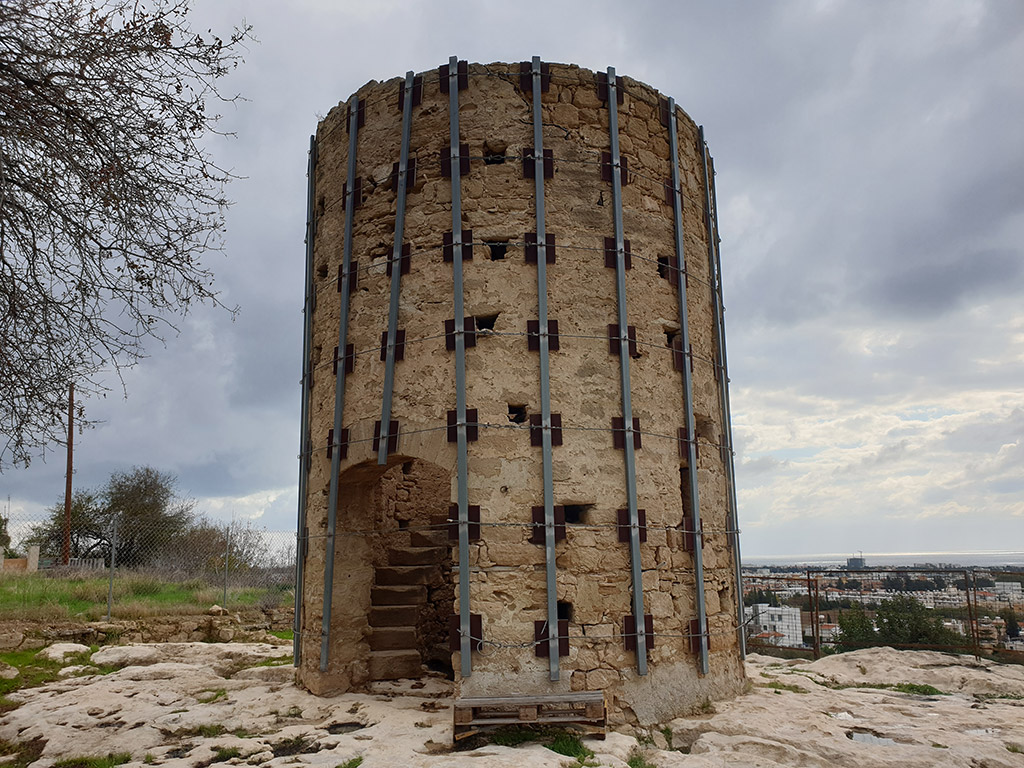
223 754
570 745
110 761
637 759
286 634
783 687
1015 749
20 754
354 762
210 696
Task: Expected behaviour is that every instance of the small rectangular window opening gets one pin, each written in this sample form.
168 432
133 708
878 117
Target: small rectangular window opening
670 337
494 152
486 322
497 248
403 524
684 490
663 267
517 413
564 611
407 468
577 514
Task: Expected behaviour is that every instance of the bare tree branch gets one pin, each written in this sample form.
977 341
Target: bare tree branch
108 199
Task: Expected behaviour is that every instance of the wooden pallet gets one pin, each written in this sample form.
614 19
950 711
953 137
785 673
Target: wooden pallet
585 708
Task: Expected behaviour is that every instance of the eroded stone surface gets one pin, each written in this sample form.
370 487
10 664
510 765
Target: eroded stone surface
804 720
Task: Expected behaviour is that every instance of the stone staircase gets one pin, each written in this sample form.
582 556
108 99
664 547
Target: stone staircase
397 598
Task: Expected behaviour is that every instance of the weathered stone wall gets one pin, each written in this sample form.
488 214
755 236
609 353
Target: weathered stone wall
508 580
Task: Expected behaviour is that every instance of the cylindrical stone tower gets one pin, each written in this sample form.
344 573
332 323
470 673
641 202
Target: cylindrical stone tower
516 453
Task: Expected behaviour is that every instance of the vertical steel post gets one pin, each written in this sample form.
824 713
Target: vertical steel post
691 434
339 391
545 378
66 547
307 333
465 643
227 556
396 273
636 567
721 363
113 556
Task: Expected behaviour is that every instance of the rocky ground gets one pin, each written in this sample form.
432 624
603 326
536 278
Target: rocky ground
198 704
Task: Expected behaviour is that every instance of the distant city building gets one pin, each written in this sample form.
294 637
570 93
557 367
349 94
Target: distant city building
1009 590
855 564
775 624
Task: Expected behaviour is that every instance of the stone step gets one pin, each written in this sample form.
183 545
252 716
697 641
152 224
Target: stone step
405 575
431 537
393 639
393 615
417 555
404 595
394 665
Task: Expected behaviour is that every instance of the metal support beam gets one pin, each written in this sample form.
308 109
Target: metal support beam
465 643
721 360
691 434
339 391
396 274
545 378
636 568
307 332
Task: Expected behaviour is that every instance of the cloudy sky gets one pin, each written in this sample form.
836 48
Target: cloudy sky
870 160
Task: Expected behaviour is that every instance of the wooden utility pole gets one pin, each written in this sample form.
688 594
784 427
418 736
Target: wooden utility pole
66 553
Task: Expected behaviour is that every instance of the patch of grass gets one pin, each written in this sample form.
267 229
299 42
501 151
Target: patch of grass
638 759
223 754
33 671
45 597
939 746
570 745
207 731
666 731
297 745
149 759
354 762
920 690
242 733
110 761
1015 749
276 661
209 696
20 754
513 736
286 634
783 687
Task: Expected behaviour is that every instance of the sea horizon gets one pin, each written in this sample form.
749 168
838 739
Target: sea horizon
980 558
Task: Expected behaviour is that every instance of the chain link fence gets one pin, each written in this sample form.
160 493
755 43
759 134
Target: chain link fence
126 566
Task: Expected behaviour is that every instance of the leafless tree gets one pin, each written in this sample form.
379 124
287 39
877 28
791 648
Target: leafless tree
108 196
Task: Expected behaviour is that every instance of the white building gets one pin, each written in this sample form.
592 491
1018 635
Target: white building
779 624
1009 590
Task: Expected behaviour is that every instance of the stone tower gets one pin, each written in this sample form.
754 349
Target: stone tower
516 452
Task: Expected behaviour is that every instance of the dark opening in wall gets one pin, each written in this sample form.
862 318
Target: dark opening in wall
670 337
407 468
517 413
494 152
403 524
486 322
663 267
564 611
577 514
321 271
498 249
684 489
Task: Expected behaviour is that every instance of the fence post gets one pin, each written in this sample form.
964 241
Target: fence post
227 555
113 556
